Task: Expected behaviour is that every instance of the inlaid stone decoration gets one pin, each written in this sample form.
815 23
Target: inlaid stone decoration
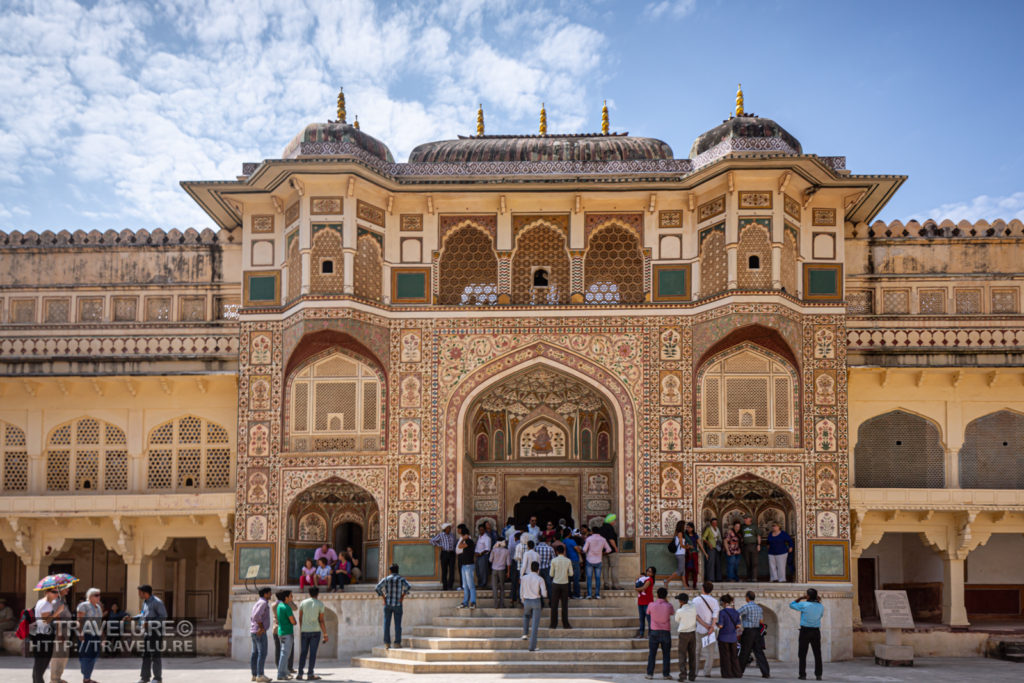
263 223
258 484
411 341
597 484
671 434
409 482
259 440
410 391
670 219
256 528
409 436
409 524
828 525
671 385
825 388
411 222
823 217
791 206
260 348
259 392
669 519
370 213
671 339
671 481
824 343
755 200
825 435
291 214
323 206
826 481
711 208
486 485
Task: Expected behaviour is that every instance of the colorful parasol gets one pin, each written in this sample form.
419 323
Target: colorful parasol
56 581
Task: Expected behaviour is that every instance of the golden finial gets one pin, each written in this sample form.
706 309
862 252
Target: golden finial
355 124
739 100
341 105
543 120
604 118
480 120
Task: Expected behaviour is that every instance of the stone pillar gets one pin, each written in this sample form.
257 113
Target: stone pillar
952 468
137 573
504 277
348 275
854 579
577 295
731 251
33 573
695 284
305 259
954 608
776 266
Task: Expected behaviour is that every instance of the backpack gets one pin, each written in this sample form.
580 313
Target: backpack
27 617
673 545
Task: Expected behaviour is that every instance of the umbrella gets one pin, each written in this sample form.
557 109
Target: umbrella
56 581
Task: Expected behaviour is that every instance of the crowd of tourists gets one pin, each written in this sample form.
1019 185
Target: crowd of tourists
707 627
740 543
330 569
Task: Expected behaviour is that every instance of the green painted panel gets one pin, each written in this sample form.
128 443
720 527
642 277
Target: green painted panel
656 554
822 282
372 563
414 559
247 557
410 286
672 283
829 560
261 288
297 558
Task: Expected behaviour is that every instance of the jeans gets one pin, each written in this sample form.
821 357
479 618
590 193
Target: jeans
809 637
575 593
662 639
545 573
688 655
309 643
389 613
152 663
277 652
468 585
258 659
286 651
531 620
645 621
732 566
447 569
514 572
752 642
594 574
483 570
88 651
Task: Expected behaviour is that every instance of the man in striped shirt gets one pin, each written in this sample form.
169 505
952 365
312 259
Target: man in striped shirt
445 540
546 553
393 588
751 641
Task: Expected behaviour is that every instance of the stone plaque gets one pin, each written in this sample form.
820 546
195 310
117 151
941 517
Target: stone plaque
894 609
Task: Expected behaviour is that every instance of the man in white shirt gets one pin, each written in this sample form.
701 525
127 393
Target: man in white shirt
686 621
532 530
707 621
43 629
529 557
533 590
482 554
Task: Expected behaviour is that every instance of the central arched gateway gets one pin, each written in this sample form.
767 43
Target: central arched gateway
536 430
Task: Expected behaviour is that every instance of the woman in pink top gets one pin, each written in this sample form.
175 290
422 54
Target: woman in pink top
595 548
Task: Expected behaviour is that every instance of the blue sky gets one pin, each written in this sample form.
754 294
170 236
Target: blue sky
107 105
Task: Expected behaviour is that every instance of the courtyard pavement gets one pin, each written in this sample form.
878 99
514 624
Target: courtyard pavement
202 669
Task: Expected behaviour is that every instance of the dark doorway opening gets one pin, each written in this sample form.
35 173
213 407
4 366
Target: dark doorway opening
349 535
866 585
546 506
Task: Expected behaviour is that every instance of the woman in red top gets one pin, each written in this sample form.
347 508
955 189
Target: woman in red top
644 597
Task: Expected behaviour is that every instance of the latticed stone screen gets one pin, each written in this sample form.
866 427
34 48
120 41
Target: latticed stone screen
747 400
336 402
294 262
468 269
15 458
992 456
899 450
188 453
714 270
540 246
860 302
790 252
326 247
369 268
87 455
754 242
613 269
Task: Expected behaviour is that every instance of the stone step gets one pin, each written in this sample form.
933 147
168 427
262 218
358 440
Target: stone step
542 654
536 667
515 643
468 620
574 611
514 631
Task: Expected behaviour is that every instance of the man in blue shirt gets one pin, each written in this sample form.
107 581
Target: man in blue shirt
574 557
151 619
811 611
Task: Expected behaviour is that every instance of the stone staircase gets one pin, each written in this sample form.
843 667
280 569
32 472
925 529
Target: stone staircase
487 640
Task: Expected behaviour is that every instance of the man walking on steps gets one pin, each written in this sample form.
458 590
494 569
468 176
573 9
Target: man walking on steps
561 573
533 590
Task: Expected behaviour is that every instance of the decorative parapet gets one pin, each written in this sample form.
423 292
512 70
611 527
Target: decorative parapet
113 238
931 229
934 338
128 346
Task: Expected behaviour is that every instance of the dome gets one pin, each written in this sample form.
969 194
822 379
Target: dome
320 139
582 147
744 133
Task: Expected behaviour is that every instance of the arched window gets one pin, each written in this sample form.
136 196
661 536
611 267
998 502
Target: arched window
747 399
992 456
187 454
540 266
899 450
369 268
754 262
14 458
335 400
468 269
613 269
326 247
87 455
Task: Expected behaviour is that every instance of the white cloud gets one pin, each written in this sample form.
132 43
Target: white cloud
135 96
981 207
670 8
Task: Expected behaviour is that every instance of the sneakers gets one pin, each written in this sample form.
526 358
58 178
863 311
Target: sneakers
262 679
462 607
472 606
524 637
649 677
